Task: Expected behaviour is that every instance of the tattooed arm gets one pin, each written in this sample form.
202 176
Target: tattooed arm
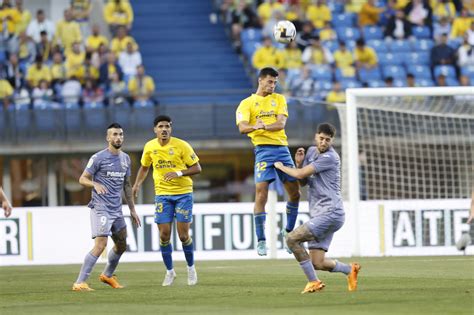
127 188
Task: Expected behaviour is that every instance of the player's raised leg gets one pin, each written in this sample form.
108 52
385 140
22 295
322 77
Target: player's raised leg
120 240
261 196
294 240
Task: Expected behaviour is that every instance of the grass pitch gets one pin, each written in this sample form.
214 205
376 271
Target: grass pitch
393 285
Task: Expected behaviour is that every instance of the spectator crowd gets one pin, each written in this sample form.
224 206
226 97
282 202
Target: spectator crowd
45 63
356 43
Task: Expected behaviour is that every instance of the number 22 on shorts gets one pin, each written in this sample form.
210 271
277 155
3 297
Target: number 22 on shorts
260 166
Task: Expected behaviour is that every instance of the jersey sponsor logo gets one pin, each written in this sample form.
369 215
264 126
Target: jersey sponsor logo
263 114
116 174
165 164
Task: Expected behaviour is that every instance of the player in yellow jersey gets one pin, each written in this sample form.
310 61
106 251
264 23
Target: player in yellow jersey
173 161
262 116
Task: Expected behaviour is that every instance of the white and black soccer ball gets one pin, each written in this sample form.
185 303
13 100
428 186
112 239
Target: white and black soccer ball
284 32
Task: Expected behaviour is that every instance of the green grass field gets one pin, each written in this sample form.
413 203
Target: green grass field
395 285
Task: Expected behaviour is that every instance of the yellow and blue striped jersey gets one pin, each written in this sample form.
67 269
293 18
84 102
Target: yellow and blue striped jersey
267 109
176 155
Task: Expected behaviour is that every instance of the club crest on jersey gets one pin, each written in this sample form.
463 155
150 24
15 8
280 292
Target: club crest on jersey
171 152
155 151
124 165
256 104
273 103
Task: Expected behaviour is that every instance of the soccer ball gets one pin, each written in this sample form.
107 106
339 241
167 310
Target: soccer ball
284 32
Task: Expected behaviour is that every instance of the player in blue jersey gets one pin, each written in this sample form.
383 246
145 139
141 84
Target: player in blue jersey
107 173
262 117
320 170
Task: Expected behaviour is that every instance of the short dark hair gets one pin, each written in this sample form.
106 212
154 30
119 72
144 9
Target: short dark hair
161 118
327 128
268 71
410 75
114 125
360 42
389 79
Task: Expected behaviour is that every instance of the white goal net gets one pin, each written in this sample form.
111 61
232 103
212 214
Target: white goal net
408 143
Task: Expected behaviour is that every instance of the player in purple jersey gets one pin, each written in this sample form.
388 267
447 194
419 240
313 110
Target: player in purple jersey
107 173
320 170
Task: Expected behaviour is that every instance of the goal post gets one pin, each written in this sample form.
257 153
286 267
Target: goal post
406 143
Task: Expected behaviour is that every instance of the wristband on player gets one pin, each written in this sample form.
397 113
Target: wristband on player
179 173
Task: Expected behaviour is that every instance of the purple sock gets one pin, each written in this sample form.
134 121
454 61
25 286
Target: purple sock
87 266
308 270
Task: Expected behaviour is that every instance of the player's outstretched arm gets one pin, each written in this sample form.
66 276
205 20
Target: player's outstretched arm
299 160
298 173
5 203
192 170
141 175
86 181
127 188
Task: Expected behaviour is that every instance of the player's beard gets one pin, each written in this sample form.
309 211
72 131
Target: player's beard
117 145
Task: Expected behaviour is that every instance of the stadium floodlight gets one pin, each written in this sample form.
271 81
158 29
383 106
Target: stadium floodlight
407 143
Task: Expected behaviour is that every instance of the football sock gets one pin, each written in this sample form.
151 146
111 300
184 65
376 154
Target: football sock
86 269
189 251
308 270
166 250
342 267
291 215
112 263
260 225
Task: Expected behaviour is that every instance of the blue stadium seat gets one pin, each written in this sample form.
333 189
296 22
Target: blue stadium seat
321 73
340 74
372 32
249 48
421 32
347 33
322 85
455 43
416 58
332 45
336 7
396 72
369 74
3 125
423 45
424 82
452 81
349 84
378 45
389 59
399 46
122 114
468 71
251 35
446 70
344 19
400 83
376 83
420 71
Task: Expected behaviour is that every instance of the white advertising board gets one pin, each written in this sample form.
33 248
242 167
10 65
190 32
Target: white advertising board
61 235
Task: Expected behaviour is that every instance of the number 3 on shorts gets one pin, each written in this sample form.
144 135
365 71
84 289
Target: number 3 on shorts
159 207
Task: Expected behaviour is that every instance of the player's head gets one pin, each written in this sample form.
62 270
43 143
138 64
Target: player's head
325 134
162 127
267 80
115 135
